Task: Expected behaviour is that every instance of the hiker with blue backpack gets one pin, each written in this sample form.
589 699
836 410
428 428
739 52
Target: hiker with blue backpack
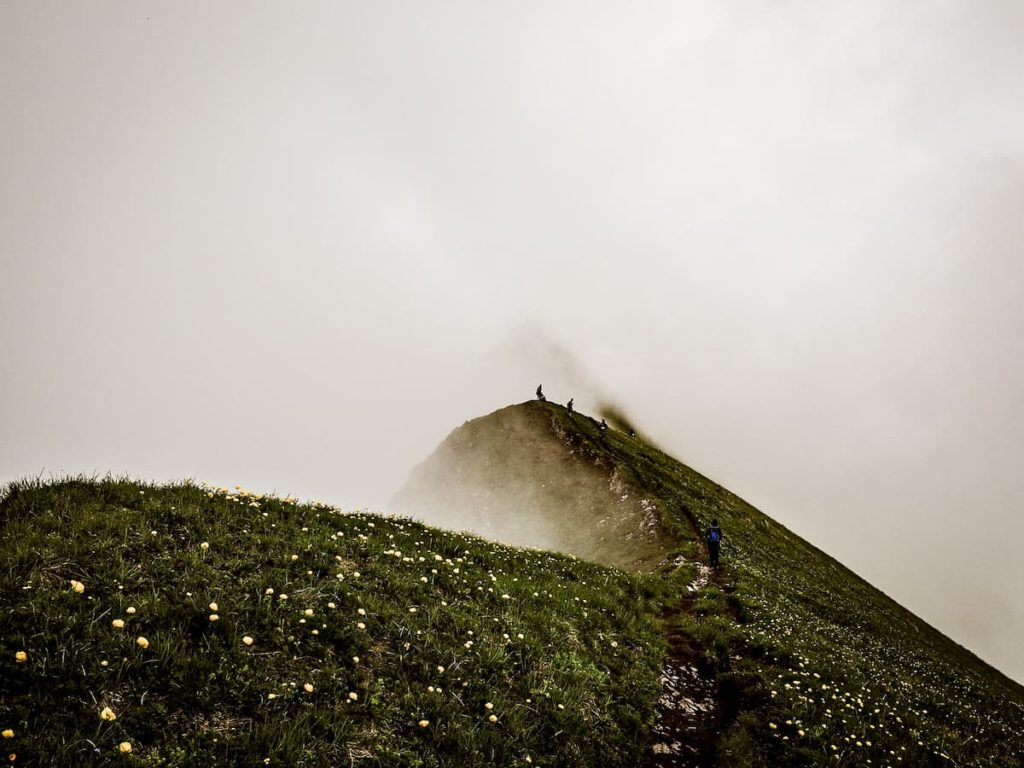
714 539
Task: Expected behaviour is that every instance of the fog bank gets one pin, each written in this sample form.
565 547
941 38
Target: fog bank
293 247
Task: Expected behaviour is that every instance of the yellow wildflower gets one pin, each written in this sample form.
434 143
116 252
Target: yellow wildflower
108 714
21 657
125 747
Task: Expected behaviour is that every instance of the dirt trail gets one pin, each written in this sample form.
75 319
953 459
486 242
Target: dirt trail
686 730
689 718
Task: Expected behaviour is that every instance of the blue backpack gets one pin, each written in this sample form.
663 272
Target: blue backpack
714 536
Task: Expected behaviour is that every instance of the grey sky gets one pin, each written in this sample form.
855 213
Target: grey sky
293 245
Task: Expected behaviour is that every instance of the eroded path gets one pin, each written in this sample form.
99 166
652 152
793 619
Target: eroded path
686 731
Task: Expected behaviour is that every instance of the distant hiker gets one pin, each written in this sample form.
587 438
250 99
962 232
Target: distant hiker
714 538
540 393
632 432
603 428
569 406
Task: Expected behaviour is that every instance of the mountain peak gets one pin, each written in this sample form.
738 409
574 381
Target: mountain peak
536 475
803 657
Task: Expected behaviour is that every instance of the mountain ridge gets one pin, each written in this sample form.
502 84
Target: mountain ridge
520 488
782 595
230 627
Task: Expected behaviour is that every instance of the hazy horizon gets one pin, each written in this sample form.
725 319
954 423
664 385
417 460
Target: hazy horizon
294 247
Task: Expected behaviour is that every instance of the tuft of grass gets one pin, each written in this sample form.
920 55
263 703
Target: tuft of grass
566 653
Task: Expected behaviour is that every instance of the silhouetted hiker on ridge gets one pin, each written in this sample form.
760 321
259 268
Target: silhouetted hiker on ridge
569 406
714 539
540 393
603 428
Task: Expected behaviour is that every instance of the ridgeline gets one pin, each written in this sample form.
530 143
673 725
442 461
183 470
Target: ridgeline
808 663
193 625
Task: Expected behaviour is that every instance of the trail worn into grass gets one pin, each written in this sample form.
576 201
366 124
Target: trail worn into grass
690 711
688 724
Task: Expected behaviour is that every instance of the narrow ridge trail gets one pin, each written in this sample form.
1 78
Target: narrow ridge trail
689 716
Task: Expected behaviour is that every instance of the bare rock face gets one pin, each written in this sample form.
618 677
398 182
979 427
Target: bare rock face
533 475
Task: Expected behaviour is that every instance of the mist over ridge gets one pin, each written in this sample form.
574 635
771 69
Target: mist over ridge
538 474
522 477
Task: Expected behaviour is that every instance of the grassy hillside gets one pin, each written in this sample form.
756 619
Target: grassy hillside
216 627
503 477
812 665
354 639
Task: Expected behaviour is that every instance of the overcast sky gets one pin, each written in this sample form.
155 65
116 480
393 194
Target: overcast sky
292 245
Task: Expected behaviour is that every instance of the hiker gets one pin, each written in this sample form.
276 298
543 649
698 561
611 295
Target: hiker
714 539
632 432
604 428
569 406
540 393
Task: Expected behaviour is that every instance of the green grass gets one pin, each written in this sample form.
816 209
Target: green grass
792 638
812 666
567 652
846 676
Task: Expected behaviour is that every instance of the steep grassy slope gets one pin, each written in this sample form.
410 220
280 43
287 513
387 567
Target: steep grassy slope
404 634
812 665
339 639
505 478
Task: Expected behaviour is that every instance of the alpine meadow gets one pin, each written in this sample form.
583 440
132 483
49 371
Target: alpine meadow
187 624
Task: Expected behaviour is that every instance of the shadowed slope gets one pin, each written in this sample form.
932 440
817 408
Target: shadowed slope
526 475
